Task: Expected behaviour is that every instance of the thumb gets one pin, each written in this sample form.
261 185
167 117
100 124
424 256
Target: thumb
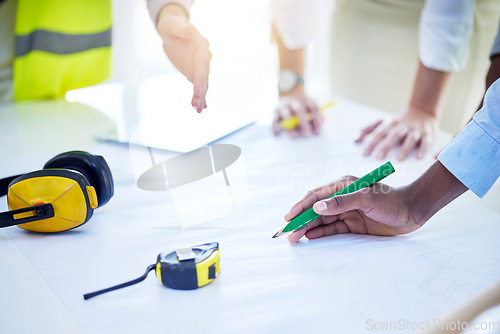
340 204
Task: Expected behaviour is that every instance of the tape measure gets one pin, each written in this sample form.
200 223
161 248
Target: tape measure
183 269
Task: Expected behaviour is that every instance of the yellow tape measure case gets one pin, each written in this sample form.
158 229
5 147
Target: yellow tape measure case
189 268
184 269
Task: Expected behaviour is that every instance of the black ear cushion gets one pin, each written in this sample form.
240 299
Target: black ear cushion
4 184
92 166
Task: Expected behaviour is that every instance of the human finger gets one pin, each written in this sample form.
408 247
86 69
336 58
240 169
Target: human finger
201 64
295 236
318 194
294 133
424 146
305 128
336 227
276 123
410 142
367 130
343 203
317 118
391 140
379 136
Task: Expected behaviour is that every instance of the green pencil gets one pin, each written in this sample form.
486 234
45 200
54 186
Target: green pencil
368 180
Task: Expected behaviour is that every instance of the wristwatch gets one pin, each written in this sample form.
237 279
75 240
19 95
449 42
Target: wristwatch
288 80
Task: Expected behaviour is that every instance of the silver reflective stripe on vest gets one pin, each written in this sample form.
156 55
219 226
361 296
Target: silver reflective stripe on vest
61 44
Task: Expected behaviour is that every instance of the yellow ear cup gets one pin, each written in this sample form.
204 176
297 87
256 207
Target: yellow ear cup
67 195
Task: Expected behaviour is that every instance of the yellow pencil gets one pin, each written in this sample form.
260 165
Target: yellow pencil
292 122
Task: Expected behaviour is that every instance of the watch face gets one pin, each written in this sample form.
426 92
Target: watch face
288 80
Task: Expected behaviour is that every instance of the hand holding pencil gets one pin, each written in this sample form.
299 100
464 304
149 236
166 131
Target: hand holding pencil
298 115
376 210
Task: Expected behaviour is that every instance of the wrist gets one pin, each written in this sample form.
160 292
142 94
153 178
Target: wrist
172 9
428 90
289 80
432 191
297 91
422 110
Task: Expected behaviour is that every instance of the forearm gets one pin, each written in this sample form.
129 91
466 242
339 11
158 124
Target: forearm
289 59
186 48
428 90
432 191
168 11
493 75
493 72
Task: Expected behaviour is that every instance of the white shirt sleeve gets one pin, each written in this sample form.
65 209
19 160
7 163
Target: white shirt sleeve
296 21
444 34
154 6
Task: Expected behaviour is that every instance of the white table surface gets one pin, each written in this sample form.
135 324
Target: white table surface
338 284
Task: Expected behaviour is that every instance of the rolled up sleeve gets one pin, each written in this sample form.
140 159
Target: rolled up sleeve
473 156
297 21
444 34
154 6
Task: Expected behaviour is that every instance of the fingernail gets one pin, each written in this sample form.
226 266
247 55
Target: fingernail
380 156
420 155
197 106
401 157
320 206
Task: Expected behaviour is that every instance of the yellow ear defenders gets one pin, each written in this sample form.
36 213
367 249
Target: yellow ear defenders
61 196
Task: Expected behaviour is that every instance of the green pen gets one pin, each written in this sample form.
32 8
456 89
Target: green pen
368 180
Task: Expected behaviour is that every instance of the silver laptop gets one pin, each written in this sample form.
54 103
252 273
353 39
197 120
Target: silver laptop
157 112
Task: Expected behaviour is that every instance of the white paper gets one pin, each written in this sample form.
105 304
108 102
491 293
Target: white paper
339 284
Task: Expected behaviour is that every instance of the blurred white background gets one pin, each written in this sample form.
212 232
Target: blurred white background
238 31
243 74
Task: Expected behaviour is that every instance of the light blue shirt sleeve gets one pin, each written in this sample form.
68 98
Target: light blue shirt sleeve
473 156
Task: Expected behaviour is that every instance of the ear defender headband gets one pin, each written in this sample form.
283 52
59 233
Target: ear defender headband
61 196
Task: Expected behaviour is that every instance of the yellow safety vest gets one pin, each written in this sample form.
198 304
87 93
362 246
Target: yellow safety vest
60 45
